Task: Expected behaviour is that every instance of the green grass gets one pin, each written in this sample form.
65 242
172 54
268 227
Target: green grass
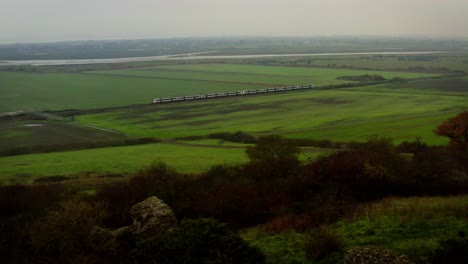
125 160
410 226
24 134
341 115
214 142
55 91
128 159
430 62
249 74
284 248
291 71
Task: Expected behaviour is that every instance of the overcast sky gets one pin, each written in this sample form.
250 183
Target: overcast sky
53 20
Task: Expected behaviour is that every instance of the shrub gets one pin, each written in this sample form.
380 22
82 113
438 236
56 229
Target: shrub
29 200
196 241
65 234
51 179
322 242
413 147
239 136
158 179
273 157
453 251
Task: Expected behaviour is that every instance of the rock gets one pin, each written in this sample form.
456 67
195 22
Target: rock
103 240
374 255
152 217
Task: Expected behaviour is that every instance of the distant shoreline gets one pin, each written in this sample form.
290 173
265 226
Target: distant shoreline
194 56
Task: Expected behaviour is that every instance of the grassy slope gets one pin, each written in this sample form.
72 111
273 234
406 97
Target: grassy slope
411 226
127 159
115 160
330 114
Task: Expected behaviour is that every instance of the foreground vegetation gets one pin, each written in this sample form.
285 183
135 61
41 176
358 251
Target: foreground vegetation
414 226
315 209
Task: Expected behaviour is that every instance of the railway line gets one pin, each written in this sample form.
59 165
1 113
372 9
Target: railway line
231 94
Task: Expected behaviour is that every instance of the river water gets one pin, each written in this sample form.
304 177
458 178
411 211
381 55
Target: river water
198 56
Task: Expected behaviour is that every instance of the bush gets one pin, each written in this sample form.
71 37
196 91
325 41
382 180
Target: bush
321 242
30 200
158 179
65 234
196 241
274 157
453 251
239 137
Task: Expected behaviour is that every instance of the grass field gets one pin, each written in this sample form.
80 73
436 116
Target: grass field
23 134
250 74
433 62
194 158
128 159
340 114
411 226
55 91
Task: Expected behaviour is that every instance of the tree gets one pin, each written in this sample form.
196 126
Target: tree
456 129
274 155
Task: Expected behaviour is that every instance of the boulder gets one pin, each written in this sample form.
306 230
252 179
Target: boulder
152 217
374 255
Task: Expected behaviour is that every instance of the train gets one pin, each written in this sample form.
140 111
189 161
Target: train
228 94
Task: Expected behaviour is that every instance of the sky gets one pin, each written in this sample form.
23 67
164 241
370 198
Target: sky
58 20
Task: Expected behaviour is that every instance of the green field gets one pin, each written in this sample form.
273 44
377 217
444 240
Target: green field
194 158
423 63
128 159
250 74
340 114
33 133
56 91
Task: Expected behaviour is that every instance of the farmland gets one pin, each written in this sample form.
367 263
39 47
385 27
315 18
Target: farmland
401 110
250 74
25 134
443 62
338 114
101 89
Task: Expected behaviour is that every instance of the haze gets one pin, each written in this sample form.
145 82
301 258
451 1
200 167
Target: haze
56 20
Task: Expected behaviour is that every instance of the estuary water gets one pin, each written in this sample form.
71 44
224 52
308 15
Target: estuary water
199 56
